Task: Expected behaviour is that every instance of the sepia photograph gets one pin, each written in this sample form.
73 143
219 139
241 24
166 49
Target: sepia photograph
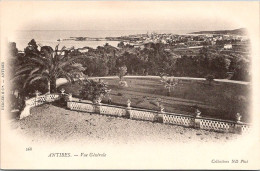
129 85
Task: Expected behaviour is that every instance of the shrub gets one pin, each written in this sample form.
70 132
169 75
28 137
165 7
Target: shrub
122 72
93 90
123 84
210 78
17 103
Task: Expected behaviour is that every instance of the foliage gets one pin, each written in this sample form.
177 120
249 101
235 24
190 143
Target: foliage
170 84
242 70
161 59
46 65
123 84
93 90
153 59
210 78
17 102
121 44
122 72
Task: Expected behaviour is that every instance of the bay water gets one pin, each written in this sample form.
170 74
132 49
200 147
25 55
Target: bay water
50 37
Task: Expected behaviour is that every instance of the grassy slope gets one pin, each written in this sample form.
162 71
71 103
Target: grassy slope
218 100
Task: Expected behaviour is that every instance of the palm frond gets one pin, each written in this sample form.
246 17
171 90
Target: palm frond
22 70
58 56
40 61
18 76
31 77
57 47
35 79
67 75
23 66
35 70
50 66
45 73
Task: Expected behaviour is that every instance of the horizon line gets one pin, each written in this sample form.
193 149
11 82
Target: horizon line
133 30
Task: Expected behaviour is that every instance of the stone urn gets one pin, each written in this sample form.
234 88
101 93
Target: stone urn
238 117
98 100
197 113
128 103
161 108
37 93
62 91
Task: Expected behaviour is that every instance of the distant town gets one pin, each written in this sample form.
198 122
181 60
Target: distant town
191 80
220 54
227 40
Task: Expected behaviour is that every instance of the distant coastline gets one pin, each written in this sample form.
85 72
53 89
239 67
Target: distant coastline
95 38
240 31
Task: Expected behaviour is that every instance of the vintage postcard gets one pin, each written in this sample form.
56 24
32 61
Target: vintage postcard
130 85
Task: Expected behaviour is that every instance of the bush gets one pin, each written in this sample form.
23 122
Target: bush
123 84
17 103
93 90
210 78
122 72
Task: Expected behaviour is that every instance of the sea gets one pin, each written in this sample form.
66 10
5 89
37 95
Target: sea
50 37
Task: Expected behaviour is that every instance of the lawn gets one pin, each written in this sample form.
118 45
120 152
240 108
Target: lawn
216 100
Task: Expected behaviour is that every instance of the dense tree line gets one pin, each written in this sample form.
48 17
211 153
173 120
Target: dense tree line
154 59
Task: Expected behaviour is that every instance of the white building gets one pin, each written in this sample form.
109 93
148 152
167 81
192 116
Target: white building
228 46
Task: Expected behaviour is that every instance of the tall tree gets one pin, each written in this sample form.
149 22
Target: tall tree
48 65
121 72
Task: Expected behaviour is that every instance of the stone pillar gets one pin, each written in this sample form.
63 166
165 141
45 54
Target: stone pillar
238 128
97 106
128 108
159 115
238 124
69 101
128 112
36 101
197 118
37 93
70 97
48 98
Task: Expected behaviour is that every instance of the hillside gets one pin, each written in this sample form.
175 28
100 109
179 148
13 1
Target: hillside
241 31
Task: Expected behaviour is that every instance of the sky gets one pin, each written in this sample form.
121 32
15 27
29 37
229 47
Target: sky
126 15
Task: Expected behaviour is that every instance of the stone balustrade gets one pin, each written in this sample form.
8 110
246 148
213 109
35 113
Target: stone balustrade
38 100
194 120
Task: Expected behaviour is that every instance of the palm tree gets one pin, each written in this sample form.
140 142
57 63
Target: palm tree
49 65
